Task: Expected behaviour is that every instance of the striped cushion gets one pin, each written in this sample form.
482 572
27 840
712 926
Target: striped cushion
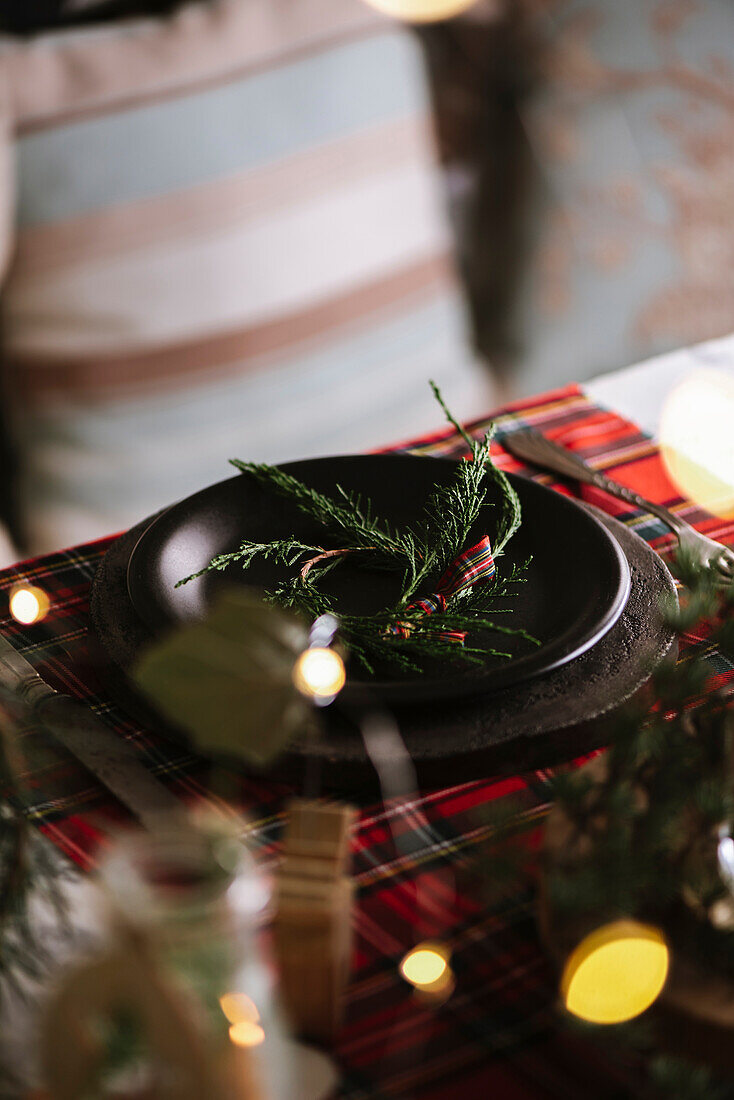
229 238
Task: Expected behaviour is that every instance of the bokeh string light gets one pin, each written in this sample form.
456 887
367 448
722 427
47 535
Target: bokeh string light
425 965
319 674
241 1012
697 440
616 972
427 968
28 604
246 1034
421 11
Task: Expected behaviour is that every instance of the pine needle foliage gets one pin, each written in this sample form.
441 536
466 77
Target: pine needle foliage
28 865
651 823
420 553
644 828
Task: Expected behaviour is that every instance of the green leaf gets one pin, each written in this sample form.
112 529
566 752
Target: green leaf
227 681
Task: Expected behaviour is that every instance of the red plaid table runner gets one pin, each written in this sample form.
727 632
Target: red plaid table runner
497 1035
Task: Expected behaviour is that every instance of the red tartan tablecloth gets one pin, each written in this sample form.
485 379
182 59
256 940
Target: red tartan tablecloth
498 1035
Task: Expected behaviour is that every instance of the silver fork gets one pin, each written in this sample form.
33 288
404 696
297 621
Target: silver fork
530 446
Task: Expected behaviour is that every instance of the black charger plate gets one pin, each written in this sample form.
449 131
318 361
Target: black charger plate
576 588
521 727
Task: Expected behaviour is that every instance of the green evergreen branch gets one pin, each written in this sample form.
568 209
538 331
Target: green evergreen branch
511 512
474 445
283 551
643 831
480 451
420 553
347 516
450 513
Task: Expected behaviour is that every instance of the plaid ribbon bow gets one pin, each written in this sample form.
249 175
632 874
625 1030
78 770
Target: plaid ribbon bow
473 566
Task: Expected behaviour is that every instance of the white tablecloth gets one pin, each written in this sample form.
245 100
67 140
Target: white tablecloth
639 392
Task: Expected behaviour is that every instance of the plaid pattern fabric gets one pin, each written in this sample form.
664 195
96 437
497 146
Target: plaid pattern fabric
498 1034
474 566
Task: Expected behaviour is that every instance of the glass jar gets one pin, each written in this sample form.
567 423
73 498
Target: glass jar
193 899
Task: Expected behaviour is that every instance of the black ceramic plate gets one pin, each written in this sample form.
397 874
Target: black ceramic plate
575 590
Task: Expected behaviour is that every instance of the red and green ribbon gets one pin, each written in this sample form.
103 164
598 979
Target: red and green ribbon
473 566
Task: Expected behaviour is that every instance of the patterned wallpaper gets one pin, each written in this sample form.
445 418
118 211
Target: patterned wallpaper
623 243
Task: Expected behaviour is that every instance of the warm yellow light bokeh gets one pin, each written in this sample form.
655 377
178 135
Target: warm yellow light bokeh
421 11
697 440
319 673
239 1008
28 604
615 973
246 1034
424 965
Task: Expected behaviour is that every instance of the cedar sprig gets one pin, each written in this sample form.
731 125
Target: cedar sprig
511 517
347 515
420 553
282 551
